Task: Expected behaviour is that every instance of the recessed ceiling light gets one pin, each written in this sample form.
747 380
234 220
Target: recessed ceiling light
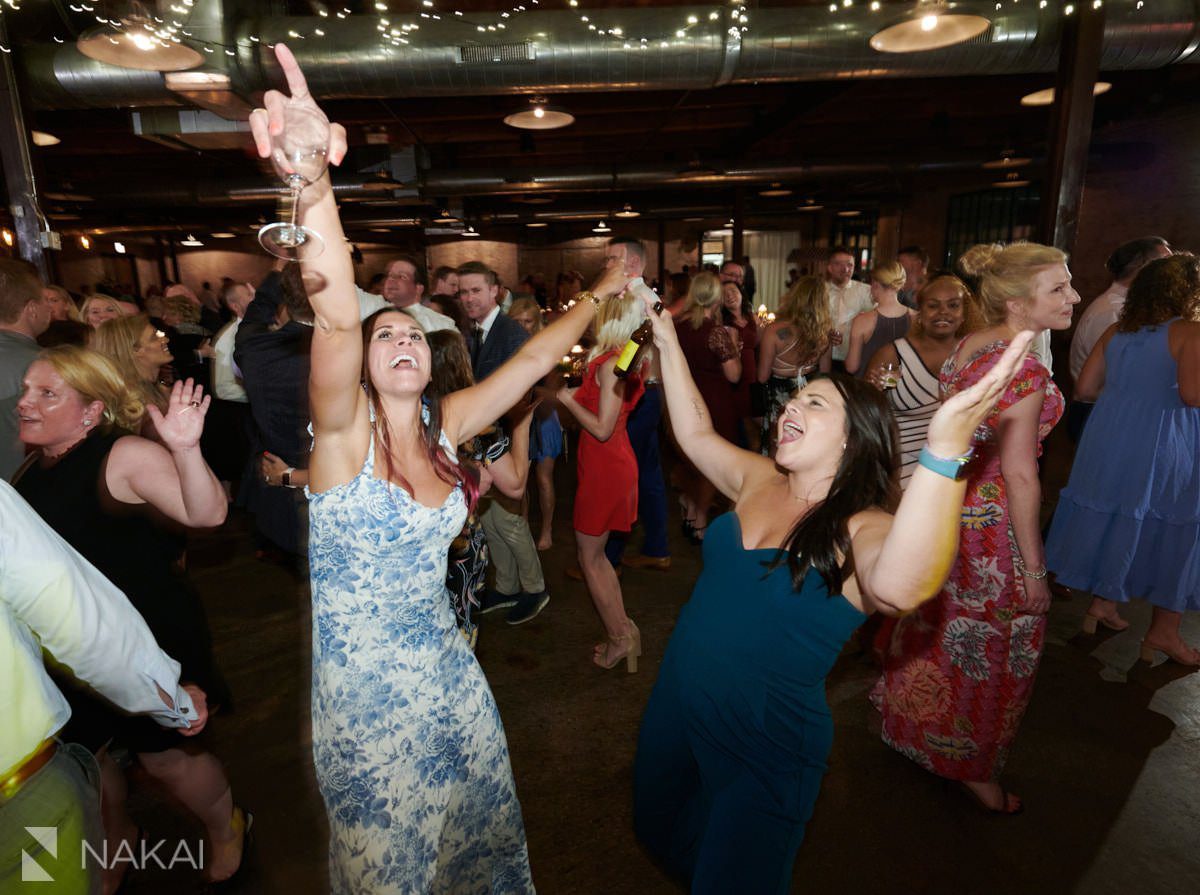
191 242
537 224
628 212
602 228
1046 97
775 189
223 234
929 32
41 138
539 115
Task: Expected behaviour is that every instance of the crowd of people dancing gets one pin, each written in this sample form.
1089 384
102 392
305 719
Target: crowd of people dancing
871 451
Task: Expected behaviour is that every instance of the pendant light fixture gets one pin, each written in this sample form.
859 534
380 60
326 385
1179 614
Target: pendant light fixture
539 115
628 212
602 227
136 41
930 27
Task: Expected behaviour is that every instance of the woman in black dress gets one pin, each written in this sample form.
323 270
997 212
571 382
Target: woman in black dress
114 497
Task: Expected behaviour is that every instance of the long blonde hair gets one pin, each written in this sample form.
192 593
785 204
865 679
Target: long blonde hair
703 292
100 299
1005 273
805 308
96 378
528 306
615 322
118 341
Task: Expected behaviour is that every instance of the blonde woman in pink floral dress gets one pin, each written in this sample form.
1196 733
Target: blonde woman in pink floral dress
959 671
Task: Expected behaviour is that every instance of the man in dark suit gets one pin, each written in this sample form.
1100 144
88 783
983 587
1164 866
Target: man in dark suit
272 349
494 337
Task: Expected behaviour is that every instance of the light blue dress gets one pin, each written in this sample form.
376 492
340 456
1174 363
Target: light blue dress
409 751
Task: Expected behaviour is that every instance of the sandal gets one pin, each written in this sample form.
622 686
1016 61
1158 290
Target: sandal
1113 622
1183 654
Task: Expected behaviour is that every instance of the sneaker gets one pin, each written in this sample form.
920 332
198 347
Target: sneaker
493 600
527 608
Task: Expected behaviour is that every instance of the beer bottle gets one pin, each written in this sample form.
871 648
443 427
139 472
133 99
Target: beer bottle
635 349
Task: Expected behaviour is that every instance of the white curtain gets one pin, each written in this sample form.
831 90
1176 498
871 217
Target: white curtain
768 254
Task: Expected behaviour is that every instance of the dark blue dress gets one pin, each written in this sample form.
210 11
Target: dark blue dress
735 738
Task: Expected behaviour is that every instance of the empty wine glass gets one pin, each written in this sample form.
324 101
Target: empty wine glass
298 153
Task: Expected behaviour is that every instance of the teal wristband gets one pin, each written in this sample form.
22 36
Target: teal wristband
951 468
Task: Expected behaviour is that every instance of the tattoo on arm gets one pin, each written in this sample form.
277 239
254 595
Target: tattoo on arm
784 333
699 408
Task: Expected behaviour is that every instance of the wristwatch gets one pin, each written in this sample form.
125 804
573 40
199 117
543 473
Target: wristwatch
951 468
286 478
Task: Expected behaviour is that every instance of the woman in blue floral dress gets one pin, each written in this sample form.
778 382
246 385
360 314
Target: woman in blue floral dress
409 751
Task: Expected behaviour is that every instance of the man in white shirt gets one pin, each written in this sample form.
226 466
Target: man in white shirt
1103 311
225 442
403 288
847 299
54 600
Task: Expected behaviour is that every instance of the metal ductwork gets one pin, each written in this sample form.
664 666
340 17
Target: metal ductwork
489 182
551 51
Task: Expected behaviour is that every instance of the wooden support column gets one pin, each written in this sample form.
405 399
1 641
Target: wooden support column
1071 125
739 212
18 166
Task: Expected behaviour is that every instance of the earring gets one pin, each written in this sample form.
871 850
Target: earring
87 422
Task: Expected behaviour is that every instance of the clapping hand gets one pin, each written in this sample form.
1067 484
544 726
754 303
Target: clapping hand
180 427
269 121
955 422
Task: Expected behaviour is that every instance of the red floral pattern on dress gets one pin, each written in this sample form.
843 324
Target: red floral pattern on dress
976 633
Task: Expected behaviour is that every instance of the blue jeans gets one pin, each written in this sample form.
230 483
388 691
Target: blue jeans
642 427
64 795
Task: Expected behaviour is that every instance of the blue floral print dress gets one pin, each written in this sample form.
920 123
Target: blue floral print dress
409 751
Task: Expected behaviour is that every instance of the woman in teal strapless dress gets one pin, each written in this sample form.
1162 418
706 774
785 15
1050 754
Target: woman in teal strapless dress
735 738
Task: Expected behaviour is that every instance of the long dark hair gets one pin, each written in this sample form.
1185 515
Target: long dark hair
431 429
866 477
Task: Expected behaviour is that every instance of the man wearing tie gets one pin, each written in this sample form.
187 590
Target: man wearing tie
494 338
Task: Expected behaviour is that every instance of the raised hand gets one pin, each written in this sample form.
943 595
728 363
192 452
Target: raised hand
611 282
956 420
180 427
269 121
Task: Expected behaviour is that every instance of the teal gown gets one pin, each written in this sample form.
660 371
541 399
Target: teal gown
735 738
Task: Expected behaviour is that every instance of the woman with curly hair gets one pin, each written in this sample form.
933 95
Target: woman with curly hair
792 348
1128 522
959 671
907 368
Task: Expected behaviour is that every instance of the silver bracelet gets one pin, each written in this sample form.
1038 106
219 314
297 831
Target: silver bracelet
1024 570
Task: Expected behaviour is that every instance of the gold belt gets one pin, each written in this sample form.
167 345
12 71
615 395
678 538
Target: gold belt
37 761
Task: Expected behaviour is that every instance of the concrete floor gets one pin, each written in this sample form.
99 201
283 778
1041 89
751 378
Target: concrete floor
1106 760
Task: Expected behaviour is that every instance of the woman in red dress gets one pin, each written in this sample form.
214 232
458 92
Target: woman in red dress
959 671
606 497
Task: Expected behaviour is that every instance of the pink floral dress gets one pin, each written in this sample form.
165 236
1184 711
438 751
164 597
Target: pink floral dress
959 671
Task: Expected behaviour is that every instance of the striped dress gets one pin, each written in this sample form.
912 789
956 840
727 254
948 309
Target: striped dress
914 401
